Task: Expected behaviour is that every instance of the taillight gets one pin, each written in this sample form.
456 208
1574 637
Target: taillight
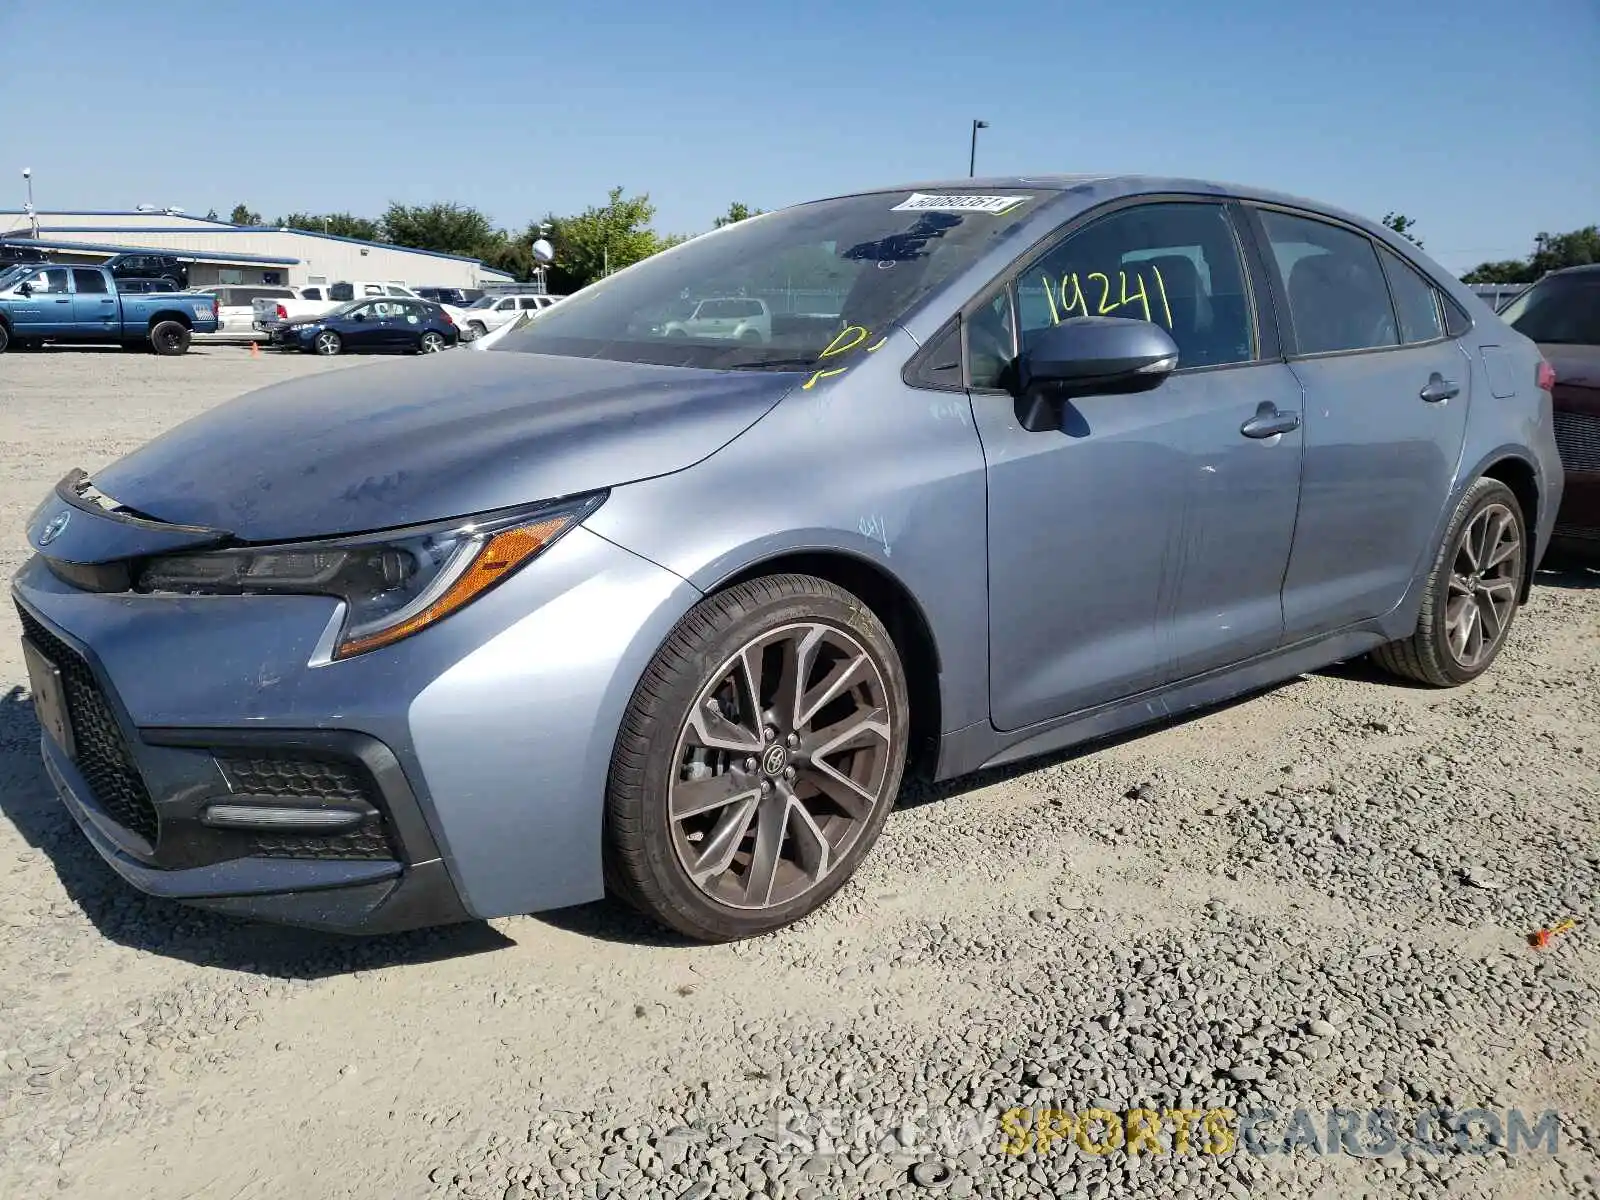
283 313
1546 377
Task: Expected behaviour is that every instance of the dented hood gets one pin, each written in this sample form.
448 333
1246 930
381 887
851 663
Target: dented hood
417 440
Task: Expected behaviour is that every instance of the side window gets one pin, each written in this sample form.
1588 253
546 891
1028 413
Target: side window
529 302
1416 302
49 282
311 293
505 306
372 289
342 292
1337 296
397 291
992 342
87 283
1175 264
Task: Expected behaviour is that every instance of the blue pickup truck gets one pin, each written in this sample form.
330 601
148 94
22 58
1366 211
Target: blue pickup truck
48 303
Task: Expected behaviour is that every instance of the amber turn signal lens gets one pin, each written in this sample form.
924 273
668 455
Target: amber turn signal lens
496 559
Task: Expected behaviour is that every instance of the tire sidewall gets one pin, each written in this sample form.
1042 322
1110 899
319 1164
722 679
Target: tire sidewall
1484 493
336 342
5 339
825 604
162 330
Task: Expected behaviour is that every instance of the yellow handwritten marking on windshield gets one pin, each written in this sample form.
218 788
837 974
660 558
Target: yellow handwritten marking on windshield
855 333
1073 300
847 340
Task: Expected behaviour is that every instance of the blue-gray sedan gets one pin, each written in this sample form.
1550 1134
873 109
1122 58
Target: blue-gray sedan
669 607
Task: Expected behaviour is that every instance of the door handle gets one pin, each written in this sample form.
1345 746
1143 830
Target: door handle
1439 389
108 300
1269 421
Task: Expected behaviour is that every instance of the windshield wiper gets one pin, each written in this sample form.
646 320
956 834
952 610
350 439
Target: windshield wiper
775 364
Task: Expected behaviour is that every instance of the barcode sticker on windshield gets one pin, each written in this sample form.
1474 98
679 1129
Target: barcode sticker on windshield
958 202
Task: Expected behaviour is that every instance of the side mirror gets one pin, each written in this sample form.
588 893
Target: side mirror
360 316
1090 356
25 289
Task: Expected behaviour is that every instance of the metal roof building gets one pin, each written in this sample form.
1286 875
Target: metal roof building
218 252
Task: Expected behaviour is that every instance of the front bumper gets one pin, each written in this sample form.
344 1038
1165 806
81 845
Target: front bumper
141 800
482 744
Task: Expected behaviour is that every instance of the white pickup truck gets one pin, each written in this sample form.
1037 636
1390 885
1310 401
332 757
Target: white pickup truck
273 313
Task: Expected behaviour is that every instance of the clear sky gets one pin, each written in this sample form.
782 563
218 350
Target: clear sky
1479 118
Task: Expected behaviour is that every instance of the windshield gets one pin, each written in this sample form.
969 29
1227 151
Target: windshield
8 274
1559 310
349 306
776 291
483 302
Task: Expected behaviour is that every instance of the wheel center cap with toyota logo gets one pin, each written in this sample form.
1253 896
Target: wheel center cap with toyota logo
53 527
775 759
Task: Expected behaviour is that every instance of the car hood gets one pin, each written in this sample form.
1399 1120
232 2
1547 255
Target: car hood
418 440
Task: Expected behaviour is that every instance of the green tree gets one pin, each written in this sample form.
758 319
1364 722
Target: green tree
600 239
737 211
339 224
446 227
243 215
1551 252
1402 225
211 215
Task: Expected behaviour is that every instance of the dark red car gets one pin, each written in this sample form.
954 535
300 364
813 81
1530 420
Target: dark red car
1562 313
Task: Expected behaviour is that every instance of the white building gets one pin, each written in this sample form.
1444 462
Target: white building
217 252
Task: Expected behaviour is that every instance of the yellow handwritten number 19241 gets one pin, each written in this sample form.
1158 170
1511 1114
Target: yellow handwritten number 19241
1075 299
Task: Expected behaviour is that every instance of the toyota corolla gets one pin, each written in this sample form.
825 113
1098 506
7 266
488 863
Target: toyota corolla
1020 463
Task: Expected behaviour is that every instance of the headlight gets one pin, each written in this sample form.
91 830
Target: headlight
393 584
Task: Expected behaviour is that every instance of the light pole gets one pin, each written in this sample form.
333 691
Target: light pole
972 160
33 217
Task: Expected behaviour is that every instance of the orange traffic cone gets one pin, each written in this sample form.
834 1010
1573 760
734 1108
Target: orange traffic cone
255 350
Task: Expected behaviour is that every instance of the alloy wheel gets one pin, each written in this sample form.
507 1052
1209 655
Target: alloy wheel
780 765
1484 579
327 343
432 343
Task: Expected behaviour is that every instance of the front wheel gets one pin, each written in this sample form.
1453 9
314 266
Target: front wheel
477 329
1472 593
169 338
5 339
327 343
758 759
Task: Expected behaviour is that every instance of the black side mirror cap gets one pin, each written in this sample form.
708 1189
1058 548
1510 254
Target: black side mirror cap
1090 356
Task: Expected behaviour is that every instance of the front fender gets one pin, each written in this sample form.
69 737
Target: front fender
515 738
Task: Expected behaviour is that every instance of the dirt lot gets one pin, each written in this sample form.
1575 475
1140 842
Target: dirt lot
1317 897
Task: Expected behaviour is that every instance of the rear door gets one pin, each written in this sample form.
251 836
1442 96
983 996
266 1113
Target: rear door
1387 393
94 306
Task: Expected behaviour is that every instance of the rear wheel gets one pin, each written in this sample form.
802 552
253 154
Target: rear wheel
327 343
430 343
5 339
169 338
1472 594
758 760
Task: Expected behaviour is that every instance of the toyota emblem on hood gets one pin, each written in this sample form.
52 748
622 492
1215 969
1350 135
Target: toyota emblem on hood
53 527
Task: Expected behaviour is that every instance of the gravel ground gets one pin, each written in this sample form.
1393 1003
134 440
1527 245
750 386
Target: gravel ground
1319 897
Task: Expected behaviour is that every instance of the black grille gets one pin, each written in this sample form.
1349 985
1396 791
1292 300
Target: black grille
102 754
302 778
1578 440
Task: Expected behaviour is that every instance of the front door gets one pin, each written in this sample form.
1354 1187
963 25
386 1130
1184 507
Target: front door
47 310
1145 539
1385 417
94 308
362 328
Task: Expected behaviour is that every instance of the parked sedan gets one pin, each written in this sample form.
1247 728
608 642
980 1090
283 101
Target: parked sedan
1562 314
606 609
415 326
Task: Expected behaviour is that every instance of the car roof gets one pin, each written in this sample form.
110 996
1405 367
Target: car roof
1580 269
1110 184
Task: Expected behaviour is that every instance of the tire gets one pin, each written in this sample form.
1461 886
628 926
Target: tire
771 793
5 339
1449 648
478 329
751 336
169 338
327 344
430 343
